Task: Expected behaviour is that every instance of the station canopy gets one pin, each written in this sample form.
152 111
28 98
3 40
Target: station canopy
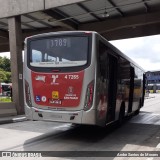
103 16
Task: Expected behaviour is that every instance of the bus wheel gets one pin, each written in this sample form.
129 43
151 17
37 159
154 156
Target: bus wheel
139 106
121 116
75 125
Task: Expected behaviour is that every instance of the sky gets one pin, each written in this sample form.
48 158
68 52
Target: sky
145 51
5 54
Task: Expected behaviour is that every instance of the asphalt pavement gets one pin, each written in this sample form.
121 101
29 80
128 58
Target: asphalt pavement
139 134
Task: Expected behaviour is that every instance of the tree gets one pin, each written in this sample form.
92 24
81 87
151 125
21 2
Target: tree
8 77
5 64
5 70
3 77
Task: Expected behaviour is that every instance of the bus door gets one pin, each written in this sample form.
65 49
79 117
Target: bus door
112 87
131 89
144 84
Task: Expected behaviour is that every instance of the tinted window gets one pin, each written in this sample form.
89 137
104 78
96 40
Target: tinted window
59 52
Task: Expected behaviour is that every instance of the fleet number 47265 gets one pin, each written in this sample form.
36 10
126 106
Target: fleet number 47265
71 77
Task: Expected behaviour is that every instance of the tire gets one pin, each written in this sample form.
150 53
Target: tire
121 116
139 106
75 125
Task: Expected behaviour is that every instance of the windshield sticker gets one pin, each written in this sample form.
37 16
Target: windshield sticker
44 99
55 95
38 98
58 64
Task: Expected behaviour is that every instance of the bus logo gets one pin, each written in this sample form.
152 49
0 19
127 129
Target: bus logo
38 98
54 78
70 90
55 94
40 78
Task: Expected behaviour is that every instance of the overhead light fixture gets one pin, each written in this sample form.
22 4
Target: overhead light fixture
105 14
51 20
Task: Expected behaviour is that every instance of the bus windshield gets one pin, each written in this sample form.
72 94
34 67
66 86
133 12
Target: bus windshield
59 52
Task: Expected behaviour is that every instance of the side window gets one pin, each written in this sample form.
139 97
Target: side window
124 69
103 60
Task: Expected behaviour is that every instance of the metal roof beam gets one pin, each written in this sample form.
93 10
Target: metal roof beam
39 21
4 24
140 31
4 48
116 8
120 23
66 16
4 34
27 33
146 5
88 11
28 25
58 15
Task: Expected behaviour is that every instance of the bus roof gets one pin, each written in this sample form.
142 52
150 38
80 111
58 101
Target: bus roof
59 33
87 32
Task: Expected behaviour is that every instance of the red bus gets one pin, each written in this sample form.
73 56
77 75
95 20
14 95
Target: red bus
80 78
5 89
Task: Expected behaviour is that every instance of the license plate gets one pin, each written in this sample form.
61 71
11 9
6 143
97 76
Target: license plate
56 116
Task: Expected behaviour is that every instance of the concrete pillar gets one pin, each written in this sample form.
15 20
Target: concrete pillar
15 40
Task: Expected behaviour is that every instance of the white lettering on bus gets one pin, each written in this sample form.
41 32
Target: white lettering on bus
74 98
71 77
54 78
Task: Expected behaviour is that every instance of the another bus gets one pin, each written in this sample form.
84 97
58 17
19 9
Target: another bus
153 88
79 77
5 89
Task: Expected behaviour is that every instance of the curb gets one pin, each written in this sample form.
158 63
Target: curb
6 121
13 120
149 97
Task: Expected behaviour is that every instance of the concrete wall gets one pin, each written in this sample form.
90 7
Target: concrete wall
57 3
7 109
15 7
10 8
